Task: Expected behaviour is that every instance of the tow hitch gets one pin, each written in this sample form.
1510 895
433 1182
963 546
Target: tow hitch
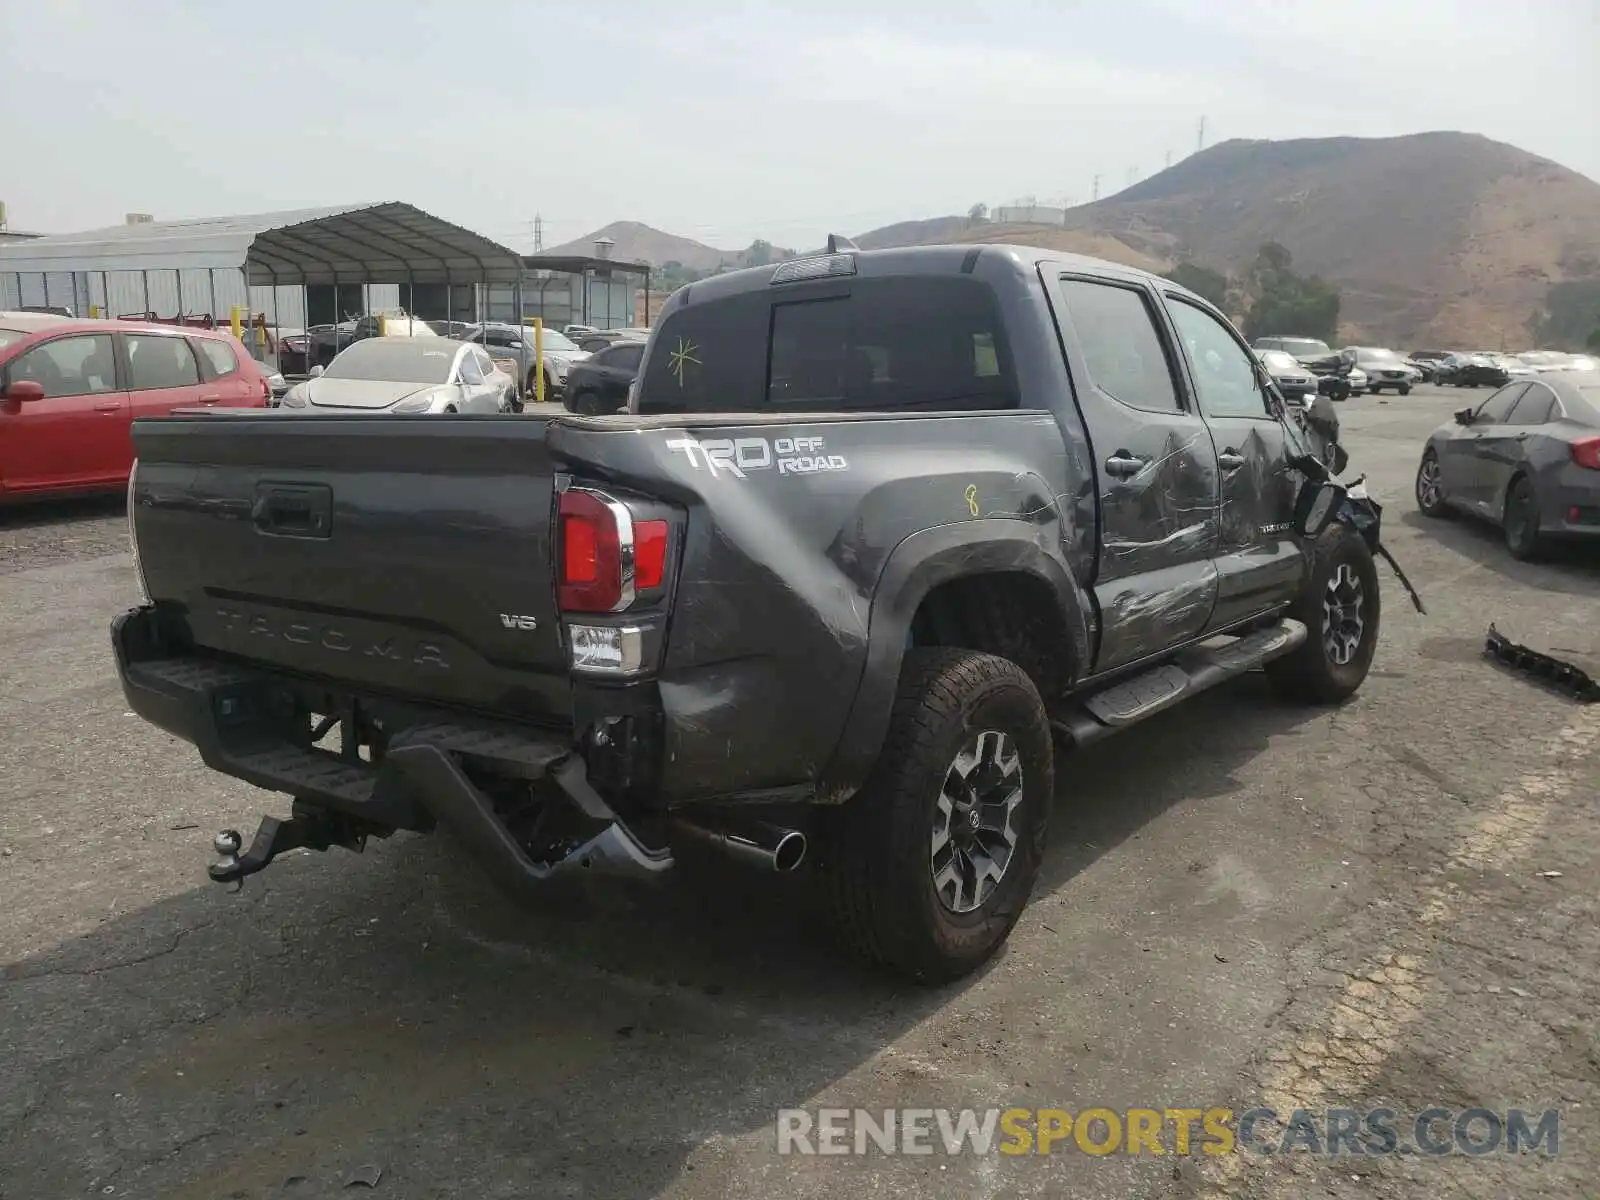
308 828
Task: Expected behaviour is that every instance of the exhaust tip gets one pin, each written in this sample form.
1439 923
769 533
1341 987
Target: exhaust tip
789 851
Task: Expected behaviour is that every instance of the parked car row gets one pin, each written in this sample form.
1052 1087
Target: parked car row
1357 369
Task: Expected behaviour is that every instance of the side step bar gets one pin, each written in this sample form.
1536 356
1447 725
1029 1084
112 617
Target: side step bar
1088 718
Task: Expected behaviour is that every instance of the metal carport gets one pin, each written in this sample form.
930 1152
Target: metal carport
211 260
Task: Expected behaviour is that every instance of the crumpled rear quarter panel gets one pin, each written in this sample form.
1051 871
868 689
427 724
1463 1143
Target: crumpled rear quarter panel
767 640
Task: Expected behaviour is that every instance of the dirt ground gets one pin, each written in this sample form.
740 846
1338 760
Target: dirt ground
1391 904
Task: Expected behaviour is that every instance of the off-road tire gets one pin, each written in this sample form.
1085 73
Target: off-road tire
1519 521
1439 508
1310 675
876 849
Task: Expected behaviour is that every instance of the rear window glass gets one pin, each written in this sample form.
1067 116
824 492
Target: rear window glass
922 342
10 336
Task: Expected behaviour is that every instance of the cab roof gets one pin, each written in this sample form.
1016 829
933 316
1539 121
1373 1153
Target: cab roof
952 259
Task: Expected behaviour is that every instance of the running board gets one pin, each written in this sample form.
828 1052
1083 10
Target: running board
1089 718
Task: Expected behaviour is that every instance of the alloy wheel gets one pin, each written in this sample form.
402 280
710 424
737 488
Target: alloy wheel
973 838
1343 622
1429 493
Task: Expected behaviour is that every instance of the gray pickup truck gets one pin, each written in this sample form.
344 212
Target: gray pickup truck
879 535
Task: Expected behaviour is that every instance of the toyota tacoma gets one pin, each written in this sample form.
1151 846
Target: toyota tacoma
878 535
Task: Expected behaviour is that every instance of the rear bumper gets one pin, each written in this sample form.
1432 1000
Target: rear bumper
239 718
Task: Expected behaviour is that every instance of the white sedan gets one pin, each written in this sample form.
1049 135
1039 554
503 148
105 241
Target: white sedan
407 375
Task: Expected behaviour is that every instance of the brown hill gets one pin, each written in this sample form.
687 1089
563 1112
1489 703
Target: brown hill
1437 237
637 242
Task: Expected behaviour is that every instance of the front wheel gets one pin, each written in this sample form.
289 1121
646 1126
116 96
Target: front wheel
929 867
1339 607
1405 389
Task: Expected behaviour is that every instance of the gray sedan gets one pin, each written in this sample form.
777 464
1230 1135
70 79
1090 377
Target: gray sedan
1527 458
407 375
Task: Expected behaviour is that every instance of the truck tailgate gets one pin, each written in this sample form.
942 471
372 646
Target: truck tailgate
409 555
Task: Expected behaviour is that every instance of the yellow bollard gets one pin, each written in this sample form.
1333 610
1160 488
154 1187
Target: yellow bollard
538 357
94 312
233 319
383 325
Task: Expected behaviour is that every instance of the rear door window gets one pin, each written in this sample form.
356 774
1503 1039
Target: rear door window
929 343
1121 348
161 361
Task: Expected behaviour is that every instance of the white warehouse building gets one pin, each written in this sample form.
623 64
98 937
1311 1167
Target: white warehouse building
307 267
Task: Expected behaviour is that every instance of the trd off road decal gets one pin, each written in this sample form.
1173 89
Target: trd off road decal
737 456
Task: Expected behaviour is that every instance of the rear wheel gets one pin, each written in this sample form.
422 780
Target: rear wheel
587 404
930 866
1339 608
1405 389
1520 521
1430 488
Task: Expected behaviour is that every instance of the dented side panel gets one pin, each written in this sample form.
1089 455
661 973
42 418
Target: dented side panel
1156 476
790 527
1259 560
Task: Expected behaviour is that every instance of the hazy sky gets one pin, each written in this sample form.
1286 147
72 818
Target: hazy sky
726 122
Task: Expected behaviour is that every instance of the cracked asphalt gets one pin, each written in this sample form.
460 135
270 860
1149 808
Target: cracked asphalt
1394 904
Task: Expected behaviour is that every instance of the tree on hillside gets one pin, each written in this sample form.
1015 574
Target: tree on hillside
670 276
1572 310
1287 303
977 213
1203 281
760 253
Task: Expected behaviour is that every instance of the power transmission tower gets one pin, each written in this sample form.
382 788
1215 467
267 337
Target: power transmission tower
538 233
1169 158
1097 187
1200 138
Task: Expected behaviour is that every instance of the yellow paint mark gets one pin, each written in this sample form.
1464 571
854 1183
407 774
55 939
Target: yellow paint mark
681 358
972 498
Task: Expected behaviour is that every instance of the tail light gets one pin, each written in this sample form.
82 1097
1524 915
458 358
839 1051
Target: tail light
266 391
606 560
1586 453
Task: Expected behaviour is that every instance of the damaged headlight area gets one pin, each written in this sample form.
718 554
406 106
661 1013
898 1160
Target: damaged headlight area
1353 507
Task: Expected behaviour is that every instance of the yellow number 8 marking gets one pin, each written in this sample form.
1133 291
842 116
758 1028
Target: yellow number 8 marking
972 498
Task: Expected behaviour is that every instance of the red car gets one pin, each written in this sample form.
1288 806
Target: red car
70 389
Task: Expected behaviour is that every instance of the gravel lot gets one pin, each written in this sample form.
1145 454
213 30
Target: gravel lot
1245 904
